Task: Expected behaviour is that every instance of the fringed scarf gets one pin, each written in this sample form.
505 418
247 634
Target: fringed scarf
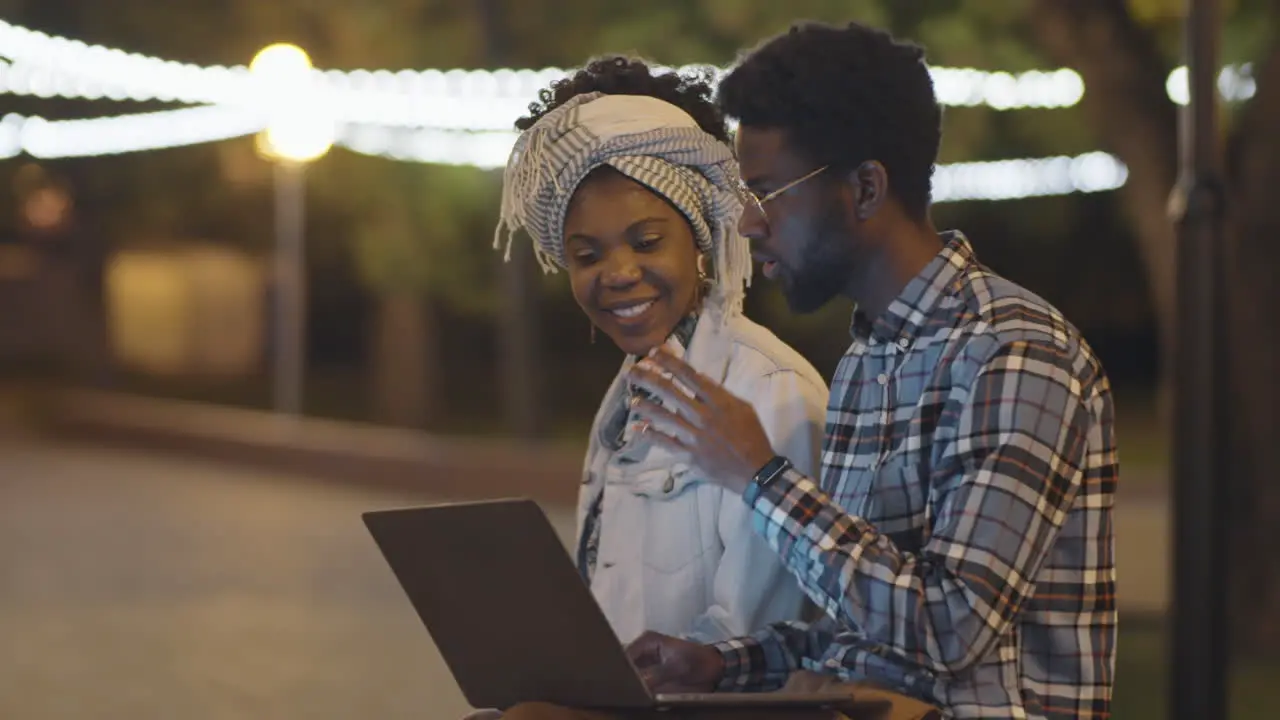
650 141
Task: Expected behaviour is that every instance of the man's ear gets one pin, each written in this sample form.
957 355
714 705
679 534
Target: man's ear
870 185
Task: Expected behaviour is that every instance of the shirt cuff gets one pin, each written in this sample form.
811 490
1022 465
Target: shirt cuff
741 656
785 493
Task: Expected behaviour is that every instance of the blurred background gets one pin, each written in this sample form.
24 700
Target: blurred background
233 316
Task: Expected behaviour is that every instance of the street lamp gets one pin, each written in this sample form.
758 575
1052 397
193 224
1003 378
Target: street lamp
299 130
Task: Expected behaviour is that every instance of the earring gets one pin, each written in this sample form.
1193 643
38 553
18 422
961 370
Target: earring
593 333
704 281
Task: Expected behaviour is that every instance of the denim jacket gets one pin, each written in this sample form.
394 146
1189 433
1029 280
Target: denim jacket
676 553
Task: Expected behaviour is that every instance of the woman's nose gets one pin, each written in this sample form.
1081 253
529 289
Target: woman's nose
621 270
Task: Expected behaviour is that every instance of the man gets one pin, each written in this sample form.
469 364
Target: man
960 537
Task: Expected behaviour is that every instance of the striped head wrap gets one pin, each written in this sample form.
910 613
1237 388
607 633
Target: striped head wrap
650 141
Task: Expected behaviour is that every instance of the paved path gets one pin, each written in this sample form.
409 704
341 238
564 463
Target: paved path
139 588
135 587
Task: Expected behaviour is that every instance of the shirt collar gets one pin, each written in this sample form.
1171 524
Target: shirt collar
682 333
908 312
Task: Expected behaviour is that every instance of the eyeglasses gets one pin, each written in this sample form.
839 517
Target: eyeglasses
749 198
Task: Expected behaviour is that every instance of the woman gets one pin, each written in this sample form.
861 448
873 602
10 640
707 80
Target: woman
625 178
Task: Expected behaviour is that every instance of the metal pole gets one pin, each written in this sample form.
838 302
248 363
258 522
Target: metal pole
1198 673
290 287
520 358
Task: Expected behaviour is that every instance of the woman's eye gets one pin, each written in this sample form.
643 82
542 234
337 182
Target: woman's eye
584 258
648 241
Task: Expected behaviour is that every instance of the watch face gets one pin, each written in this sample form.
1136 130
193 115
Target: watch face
771 471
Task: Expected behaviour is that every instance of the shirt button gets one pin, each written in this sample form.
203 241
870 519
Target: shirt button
883 379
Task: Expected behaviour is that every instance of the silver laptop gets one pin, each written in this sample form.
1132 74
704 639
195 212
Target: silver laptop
514 620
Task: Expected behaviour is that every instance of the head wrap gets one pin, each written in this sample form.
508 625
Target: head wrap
650 141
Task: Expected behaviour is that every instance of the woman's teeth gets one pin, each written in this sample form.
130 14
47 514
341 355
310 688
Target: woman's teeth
633 311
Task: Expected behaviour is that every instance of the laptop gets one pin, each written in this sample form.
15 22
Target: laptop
513 618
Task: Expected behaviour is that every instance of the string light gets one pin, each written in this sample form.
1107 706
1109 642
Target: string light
1235 84
48 139
411 98
1005 91
454 117
129 76
1001 180
1028 177
52 66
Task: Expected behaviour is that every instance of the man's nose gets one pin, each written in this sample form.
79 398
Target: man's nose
752 223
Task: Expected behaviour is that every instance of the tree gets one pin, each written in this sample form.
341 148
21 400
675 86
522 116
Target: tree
414 242
1124 64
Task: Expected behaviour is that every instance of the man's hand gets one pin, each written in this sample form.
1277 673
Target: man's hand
718 431
672 665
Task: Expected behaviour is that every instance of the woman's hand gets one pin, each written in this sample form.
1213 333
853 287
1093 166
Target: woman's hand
672 665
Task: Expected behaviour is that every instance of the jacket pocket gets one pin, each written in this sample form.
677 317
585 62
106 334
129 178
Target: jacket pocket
672 525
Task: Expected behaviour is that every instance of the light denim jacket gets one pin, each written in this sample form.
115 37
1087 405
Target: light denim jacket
676 553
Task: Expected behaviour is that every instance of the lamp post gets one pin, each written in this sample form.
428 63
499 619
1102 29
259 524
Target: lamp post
298 132
1199 663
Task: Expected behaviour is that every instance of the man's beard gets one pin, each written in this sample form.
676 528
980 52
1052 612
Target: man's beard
825 268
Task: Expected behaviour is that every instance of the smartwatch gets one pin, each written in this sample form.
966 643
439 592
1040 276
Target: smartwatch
771 471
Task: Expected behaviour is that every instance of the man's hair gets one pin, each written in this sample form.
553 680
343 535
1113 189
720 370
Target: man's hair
690 91
844 96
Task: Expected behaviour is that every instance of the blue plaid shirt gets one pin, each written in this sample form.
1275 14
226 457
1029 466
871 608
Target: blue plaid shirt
961 538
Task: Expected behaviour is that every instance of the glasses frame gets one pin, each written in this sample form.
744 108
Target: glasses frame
749 198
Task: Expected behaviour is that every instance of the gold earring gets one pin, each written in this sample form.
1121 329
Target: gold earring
593 333
704 281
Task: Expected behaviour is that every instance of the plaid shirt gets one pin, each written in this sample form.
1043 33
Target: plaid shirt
961 540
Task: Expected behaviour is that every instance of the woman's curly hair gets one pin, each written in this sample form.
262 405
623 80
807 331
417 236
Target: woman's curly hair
691 91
